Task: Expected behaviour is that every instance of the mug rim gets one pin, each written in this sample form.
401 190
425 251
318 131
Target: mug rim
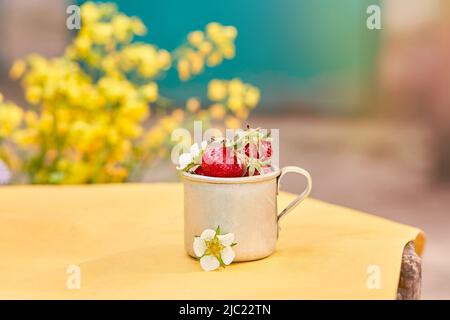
206 179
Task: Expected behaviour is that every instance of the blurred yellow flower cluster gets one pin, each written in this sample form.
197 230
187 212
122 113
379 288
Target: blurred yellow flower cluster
208 47
88 120
234 98
10 117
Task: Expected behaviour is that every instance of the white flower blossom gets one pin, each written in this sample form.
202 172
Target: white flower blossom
213 249
195 150
193 157
185 160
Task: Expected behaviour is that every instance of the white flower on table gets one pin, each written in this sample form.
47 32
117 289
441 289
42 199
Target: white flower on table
214 249
193 157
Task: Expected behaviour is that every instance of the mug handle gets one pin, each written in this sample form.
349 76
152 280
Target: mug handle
301 196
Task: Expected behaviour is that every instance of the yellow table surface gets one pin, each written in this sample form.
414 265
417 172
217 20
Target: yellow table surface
128 242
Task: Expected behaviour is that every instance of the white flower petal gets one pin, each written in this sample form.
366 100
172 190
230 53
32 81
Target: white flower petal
204 145
184 160
209 263
195 151
226 239
208 234
199 246
227 255
240 133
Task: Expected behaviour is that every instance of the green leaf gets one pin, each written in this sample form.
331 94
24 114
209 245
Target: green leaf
189 167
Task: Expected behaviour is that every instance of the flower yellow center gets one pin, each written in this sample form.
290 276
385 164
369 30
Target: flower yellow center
214 247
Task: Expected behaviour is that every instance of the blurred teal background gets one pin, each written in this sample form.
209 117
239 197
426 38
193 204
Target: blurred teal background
315 55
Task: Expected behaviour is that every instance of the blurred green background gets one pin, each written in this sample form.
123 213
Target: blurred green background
316 55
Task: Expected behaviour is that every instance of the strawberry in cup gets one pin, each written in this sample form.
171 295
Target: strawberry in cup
247 154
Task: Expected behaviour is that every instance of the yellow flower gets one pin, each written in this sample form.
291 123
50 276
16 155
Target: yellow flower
107 9
79 172
214 59
33 94
217 111
217 90
183 70
92 103
31 118
232 123
213 29
129 128
46 123
89 13
114 89
109 64
236 87
197 63
252 97
135 110
150 91
148 69
164 59
230 32
146 58
83 45
62 164
138 27
242 114
17 70
113 136
155 137
217 33
178 115
121 27
63 120
102 32
10 118
51 154
192 104
235 103
169 124
195 38
228 51
116 173
205 48
202 115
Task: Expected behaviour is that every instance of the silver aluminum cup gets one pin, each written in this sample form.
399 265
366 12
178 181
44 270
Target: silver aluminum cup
245 206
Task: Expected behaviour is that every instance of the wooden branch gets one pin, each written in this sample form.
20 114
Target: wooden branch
409 286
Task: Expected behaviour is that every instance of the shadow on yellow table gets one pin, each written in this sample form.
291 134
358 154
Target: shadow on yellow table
127 241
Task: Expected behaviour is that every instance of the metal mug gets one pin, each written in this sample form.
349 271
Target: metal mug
245 206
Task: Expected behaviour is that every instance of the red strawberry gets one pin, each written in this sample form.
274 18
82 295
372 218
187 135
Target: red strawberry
199 171
265 148
219 161
255 153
